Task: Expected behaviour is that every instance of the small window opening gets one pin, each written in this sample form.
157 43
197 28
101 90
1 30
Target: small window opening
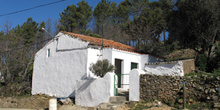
48 52
134 65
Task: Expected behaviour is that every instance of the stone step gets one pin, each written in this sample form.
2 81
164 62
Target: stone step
112 107
114 103
119 99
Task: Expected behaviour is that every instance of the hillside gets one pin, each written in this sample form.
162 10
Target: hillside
181 54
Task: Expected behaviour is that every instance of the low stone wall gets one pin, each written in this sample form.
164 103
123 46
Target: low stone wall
169 89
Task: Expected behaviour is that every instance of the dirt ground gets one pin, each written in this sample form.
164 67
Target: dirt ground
28 102
42 103
147 106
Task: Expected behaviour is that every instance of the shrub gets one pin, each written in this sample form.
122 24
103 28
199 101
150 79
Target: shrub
216 72
101 67
201 62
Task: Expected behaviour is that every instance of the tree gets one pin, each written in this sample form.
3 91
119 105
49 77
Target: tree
74 19
85 14
18 46
195 24
123 12
137 7
29 31
103 15
41 37
101 67
166 6
146 27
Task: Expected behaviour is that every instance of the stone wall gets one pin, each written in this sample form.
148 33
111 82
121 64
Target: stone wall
169 89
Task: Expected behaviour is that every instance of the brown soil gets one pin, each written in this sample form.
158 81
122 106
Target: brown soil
181 54
28 102
42 103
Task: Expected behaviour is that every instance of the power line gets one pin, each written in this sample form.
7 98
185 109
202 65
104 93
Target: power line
31 8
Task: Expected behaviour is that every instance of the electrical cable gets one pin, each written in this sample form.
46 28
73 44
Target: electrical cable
31 8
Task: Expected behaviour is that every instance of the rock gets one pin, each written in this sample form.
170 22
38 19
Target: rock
199 87
180 101
157 103
217 105
190 100
215 98
13 101
208 98
189 77
212 91
206 91
218 89
65 101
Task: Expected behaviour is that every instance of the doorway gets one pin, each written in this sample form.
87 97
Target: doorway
118 68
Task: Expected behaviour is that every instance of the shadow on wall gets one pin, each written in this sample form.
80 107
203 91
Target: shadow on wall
72 95
92 92
86 84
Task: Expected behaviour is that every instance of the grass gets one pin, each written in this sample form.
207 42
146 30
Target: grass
198 74
142 105
199 105
216 72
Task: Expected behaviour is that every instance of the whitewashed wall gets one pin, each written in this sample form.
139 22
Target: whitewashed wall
128 58
57 74
146 58
70 59
93 56
134 94
93 92
171 69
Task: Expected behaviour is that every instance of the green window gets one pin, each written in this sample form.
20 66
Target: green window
134 65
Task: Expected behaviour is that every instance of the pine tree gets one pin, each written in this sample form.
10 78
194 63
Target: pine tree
75 19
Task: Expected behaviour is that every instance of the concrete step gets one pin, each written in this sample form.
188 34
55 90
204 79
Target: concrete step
124 93
114 103
117 99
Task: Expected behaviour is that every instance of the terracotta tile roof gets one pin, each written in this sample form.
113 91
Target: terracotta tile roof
106 43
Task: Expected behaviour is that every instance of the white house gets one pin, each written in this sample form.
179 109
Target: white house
67 57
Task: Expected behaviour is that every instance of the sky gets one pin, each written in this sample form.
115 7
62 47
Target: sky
38 14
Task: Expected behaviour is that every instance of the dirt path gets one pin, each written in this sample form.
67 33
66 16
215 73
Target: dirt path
42 103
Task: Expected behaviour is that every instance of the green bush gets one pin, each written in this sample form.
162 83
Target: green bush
101 67
170 102
201 62
216 72
197 74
